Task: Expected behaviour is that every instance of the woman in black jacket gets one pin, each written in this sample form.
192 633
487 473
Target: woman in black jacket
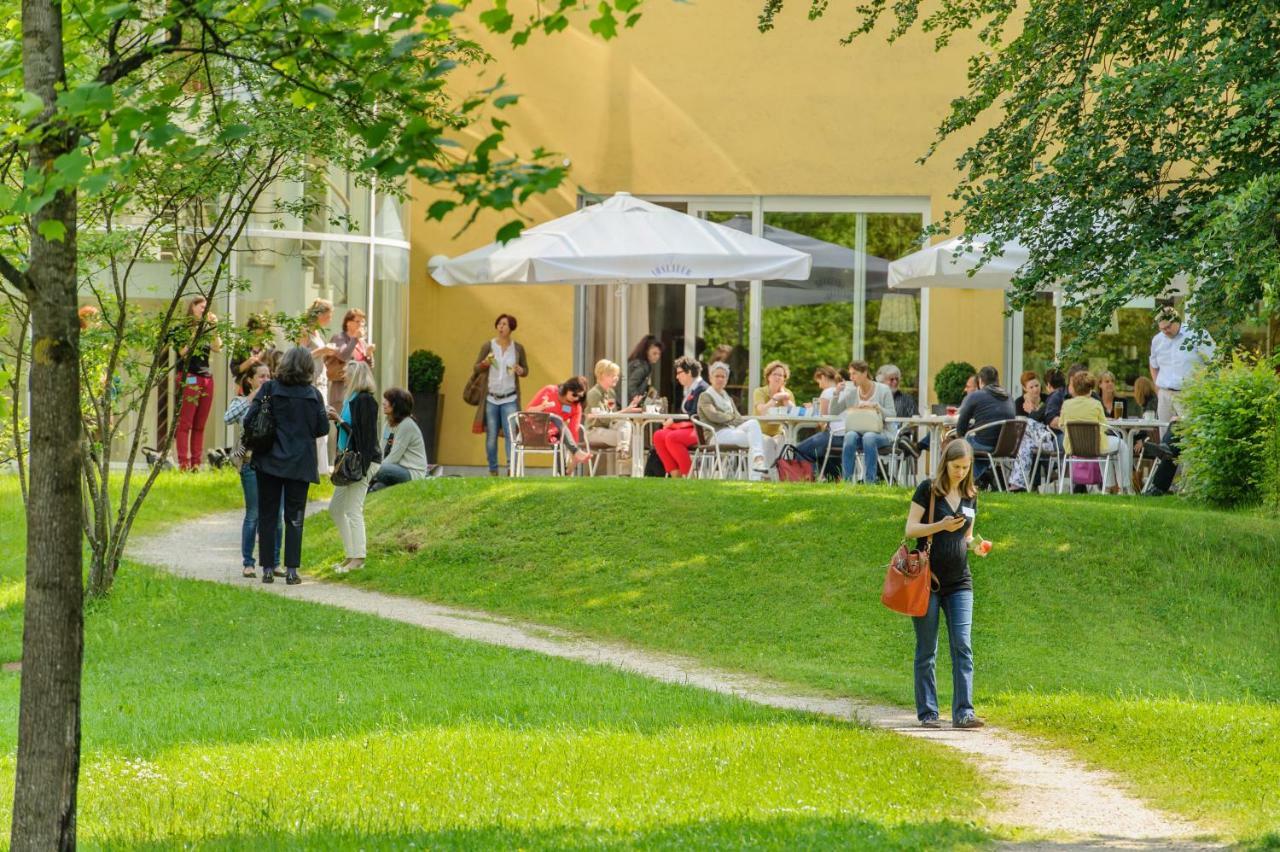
290 466
358 433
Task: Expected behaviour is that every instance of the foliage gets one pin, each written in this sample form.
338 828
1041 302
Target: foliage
1075 590
411 738
948 384
1124 144
426 371
1230 435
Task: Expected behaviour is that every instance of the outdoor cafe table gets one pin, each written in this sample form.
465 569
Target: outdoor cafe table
1128 427
639 419
937 424
792 423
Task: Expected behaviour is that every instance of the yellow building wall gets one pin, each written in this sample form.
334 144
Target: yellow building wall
695 101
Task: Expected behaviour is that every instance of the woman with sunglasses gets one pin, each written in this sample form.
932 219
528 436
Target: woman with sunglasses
564 403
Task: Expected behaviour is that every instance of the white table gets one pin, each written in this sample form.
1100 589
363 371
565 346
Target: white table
937 424
639 420
792 423
1128 427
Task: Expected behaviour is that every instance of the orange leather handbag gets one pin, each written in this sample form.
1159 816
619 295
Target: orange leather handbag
907 578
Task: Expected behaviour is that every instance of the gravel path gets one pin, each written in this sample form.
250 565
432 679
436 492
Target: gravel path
1045 791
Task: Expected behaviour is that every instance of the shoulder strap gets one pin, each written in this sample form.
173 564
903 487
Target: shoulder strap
929 540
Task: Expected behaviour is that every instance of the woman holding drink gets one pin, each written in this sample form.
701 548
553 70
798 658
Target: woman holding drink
941 518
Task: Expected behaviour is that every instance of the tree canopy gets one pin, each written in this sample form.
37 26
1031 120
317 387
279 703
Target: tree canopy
1125 144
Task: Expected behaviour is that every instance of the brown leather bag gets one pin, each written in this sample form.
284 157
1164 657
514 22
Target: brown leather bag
908 581
476 389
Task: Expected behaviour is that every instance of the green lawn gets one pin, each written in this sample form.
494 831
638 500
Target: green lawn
1143 634
220 717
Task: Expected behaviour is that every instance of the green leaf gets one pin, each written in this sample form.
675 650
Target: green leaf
497 19
232 132
52 230
29 106
320 13
505 101
605 24
439 209
510 231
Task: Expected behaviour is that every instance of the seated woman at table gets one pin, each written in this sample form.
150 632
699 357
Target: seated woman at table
857 399
564 403
773 394
1031 403
673 441
603 398
716 408
1144 396
814 447
1083 408
1105 392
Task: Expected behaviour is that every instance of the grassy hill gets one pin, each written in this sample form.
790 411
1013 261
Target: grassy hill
222 718
1145 634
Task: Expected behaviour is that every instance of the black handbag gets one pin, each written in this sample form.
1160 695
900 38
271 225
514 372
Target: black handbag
259 433
349 467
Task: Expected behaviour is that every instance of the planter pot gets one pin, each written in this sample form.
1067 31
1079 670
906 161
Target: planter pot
428 410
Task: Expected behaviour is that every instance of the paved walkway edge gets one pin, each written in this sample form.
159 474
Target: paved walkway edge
1047 792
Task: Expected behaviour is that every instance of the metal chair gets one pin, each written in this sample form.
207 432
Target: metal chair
720 461
1086 448
1009 435
530 435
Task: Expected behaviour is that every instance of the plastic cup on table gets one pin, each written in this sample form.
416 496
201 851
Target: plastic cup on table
1148 415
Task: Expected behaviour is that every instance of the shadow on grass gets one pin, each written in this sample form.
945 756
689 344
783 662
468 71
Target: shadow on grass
781 833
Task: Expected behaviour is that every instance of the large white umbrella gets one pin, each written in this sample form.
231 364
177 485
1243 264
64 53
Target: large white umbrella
949 264
624 240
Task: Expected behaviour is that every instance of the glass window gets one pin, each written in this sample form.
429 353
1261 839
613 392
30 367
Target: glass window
288 275
391 307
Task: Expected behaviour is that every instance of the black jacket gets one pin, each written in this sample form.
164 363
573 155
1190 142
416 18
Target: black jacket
300 419
988 404
363 437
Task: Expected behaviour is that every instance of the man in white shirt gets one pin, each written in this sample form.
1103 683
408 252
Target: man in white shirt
1173 360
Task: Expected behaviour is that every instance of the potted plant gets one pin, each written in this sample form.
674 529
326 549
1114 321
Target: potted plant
426 372
948 384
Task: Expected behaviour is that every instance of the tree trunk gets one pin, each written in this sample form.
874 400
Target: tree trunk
44 801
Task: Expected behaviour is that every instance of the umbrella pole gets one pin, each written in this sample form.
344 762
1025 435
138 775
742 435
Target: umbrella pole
620 292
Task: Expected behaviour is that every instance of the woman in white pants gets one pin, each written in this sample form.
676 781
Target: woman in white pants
357 432
716 408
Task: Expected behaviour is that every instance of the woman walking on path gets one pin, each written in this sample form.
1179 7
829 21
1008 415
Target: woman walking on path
290 466
942 519
250 385
318 317
504 363
404 457
195 383
357 424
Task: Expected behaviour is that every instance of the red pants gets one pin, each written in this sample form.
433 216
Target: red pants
672 446
197 400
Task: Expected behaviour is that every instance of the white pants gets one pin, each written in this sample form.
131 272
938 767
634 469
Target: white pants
747 434
1169 404
347 510
1122 464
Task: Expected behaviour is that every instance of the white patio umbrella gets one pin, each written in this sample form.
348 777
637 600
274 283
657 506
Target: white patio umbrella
948 264
624 240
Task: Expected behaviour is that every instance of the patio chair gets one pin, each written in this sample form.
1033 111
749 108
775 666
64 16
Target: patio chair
712 460
529 432
1008 435
1086 448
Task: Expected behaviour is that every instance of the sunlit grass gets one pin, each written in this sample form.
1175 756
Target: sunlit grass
1106 599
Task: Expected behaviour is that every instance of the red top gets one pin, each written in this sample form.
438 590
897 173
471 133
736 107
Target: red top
569 412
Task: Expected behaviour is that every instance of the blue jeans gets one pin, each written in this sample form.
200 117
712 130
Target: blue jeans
814 448
387 476
867 443
495 420
249 529
958 607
